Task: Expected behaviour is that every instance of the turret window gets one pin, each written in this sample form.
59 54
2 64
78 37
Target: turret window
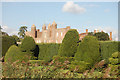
61 33
57 34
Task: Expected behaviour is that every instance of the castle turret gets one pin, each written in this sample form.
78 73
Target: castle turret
44 27
33 31
49 26
33 28
54 25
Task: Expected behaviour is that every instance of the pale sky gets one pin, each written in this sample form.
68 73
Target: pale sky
78 15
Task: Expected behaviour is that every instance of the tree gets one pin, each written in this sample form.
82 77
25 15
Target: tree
28 44
69 44
102 36
16 38
90 34
88 50
7 41
4 34
22 31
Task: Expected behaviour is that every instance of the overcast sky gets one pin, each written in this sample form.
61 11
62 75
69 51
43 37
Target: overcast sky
78 15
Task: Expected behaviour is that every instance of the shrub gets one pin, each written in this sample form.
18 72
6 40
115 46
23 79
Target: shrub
88 50
78 66
39 62
108 47
47 51
14 54
7 41
114 58
114 63
28 44
69 44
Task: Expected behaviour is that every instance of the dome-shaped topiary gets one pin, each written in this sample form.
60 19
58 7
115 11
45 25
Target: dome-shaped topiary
88 50
28 44
69 44
14 54
7 41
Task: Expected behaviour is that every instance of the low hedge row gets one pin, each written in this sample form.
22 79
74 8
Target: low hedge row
108 47
47 51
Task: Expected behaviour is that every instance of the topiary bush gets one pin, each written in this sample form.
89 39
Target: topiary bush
13 54
107 48
88 50
28 44
69 44
7 41
47 51
114 63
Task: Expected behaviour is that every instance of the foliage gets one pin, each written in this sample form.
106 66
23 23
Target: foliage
22 30
4 34
14 54
27 70
102 36
28 44
47 51
7 41
88 50
16 38
78 66
108 47
90 34
38 62
69 44
63 59
114 63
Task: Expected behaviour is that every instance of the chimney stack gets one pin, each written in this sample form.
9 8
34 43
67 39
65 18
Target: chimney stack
94 31
110 35
86 31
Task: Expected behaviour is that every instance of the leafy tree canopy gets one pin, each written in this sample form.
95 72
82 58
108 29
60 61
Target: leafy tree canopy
22 31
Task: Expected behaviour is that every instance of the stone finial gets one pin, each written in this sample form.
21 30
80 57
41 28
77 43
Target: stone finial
33 25
44 27
54 22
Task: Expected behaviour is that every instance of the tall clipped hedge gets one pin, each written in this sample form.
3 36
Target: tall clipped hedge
47 51
88 50
14 53
28 44
69 44
7 41
108 47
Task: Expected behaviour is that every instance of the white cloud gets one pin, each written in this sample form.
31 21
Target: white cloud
9 30
71 7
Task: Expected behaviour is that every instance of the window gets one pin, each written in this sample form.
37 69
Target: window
56 41
57 34
61 33
39 41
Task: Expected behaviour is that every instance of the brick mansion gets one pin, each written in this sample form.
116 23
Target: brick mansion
53 34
